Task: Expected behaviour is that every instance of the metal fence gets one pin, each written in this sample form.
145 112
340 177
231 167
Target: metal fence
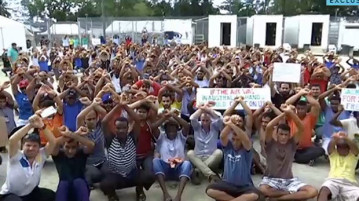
126 26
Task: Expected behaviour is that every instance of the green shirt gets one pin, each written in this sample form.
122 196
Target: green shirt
13 54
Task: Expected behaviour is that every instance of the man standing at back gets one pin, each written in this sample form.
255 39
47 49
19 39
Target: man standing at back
13 53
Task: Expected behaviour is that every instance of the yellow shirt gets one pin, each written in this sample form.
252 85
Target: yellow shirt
343 167
175 105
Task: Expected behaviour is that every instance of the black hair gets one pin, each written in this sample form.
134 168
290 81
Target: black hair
270 115
283 127
315 85
144 106
280 84
122 119
351 86
32 137
336 97
2 96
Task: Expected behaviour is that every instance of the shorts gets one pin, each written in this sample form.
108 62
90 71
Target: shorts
288 185
342 189
233 190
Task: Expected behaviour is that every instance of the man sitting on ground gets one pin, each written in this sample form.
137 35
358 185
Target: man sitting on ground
206 157
237 183
341 183
278 181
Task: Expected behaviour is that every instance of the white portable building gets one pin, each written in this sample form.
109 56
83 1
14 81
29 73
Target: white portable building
11 31
347 34
265 30
222 30
307 29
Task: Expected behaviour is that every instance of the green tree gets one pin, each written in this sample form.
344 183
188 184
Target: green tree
3 9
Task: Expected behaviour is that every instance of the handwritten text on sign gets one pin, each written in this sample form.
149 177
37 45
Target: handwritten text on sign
254 97
350 99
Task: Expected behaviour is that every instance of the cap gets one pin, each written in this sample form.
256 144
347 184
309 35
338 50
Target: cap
23 83
106 97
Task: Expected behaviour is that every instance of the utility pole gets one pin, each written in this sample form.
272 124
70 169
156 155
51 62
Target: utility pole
103 19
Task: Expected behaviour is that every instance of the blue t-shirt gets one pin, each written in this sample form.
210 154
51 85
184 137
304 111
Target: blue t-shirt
25 106
44 66
237 166
329 129
78 62
70 114
140 65
329 64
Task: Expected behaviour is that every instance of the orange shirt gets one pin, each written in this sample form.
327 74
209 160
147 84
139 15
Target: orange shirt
309 122
53 125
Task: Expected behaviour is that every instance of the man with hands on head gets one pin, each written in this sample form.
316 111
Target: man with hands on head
91 118
237 183
306 152
207 124
341 183
278 181
24 167
70 161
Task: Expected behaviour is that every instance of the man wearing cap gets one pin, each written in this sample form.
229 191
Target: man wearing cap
24 167
22 99
341 183
306 151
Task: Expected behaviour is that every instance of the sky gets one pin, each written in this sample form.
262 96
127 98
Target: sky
217 2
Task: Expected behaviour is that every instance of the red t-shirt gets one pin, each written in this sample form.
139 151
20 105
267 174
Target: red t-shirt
144 143
155 87
322 83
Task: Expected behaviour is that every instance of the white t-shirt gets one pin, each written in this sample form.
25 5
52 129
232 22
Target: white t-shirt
350 127
21 179
116 84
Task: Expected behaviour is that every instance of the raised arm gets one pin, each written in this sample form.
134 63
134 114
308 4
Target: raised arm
270 127
185 126
224 137
296 97
315 107
289 111
325 94
335 121
246 142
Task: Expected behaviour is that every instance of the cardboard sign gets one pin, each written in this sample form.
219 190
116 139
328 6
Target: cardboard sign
284 72
223 97
350 99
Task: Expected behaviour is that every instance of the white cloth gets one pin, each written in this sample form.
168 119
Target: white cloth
350 127
21 178
116 84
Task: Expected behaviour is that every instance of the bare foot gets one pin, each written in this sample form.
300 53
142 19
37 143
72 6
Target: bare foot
167 198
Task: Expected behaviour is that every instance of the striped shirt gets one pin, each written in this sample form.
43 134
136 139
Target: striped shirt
122 159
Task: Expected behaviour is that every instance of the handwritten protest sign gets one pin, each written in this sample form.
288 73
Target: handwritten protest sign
254 97
350 99
286 72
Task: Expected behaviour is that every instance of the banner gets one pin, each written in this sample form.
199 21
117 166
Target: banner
224 97
350 99
286 72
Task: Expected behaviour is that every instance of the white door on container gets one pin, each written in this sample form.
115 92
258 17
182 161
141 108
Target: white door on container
350 36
